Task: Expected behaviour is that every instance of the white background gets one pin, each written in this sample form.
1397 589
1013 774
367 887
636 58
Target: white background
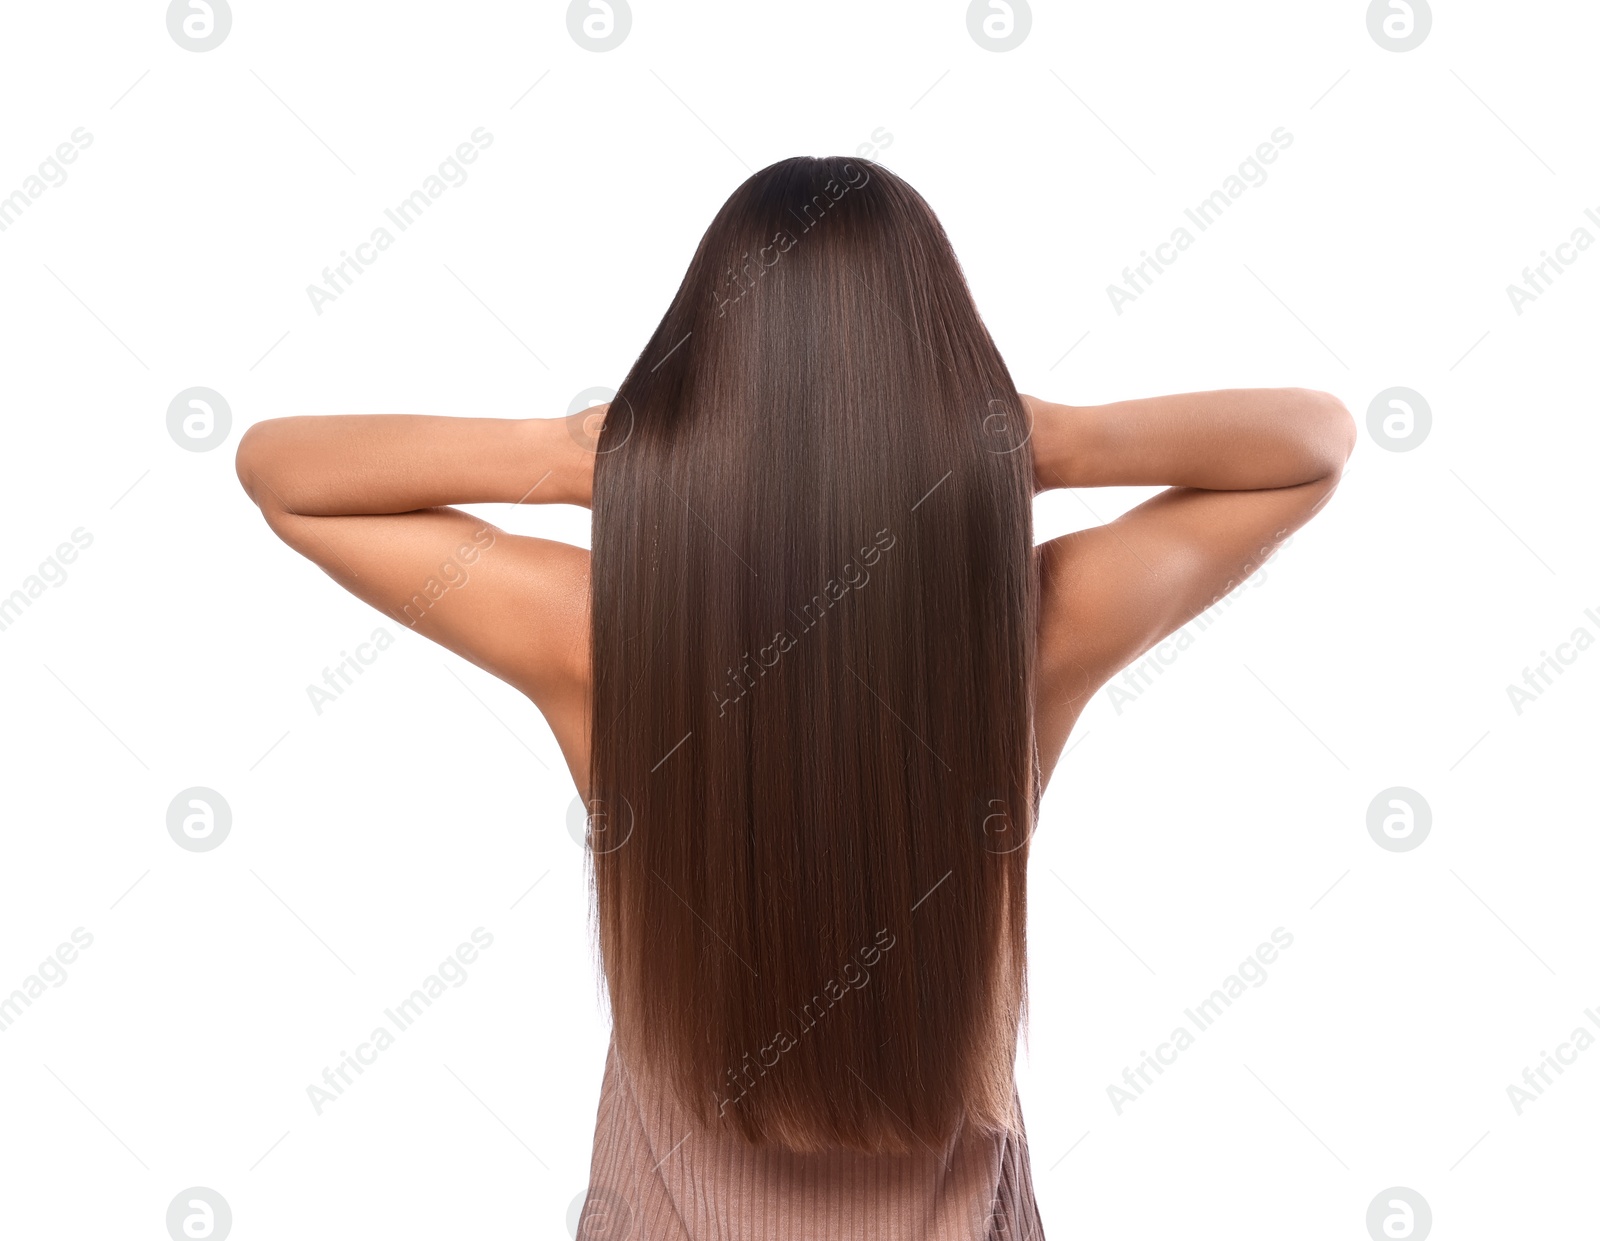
1228 799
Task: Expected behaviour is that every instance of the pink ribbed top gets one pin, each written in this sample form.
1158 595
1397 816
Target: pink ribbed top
658 1175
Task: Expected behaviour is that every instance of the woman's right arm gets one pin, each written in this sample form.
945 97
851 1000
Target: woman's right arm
1243 470
368 498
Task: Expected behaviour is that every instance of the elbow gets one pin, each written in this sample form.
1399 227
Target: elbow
245 460
253 462
1330 431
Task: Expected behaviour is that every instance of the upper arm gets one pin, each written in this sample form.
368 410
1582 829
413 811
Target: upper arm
1110 593
516 606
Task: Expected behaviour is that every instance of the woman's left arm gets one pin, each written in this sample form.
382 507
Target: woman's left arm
364 496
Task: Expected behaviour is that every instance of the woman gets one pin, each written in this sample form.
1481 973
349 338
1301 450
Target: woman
811 682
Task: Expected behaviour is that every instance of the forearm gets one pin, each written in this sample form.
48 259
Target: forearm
1232 440
396 463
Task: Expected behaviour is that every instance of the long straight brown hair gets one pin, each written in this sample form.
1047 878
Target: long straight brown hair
813 775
